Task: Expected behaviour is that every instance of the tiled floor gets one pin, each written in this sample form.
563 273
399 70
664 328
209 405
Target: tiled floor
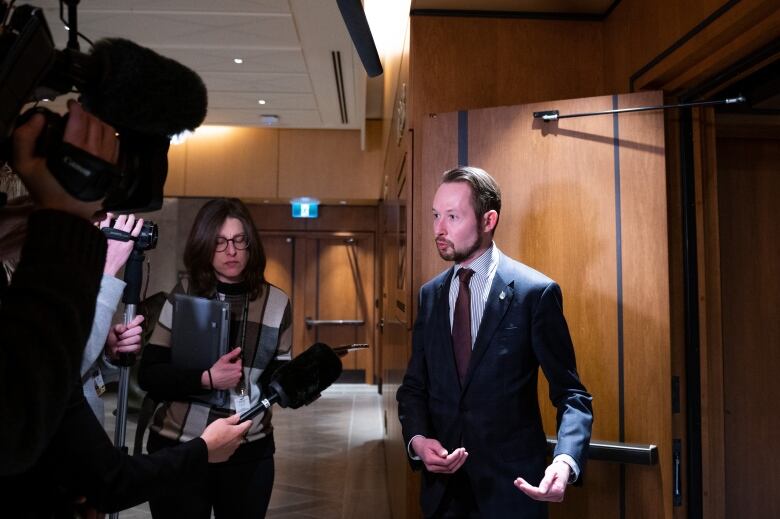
329 458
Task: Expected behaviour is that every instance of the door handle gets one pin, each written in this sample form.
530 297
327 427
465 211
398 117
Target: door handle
333 322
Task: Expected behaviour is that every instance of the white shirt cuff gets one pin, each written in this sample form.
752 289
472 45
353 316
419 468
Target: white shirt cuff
409 450
575 469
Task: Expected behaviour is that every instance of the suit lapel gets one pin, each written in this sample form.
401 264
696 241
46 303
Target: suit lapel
496 306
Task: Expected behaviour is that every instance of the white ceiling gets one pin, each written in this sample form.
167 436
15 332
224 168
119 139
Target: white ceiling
285 46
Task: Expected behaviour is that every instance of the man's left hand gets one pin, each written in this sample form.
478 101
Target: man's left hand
553 485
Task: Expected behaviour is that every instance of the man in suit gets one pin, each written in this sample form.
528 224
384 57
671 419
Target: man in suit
468 403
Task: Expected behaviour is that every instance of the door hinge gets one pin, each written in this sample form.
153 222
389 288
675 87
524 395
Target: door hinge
677 469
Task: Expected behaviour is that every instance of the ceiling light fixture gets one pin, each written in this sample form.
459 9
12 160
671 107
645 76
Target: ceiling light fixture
269 119
261 101
238 61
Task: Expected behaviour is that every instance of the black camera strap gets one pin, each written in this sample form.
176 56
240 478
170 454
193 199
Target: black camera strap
83 175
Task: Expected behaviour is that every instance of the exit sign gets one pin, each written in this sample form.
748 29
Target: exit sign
305 208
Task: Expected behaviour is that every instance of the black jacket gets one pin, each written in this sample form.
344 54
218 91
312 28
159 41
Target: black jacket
45 320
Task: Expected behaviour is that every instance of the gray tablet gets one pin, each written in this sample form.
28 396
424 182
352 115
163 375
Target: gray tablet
199 337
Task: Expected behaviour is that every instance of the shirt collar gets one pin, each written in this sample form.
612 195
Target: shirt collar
484 265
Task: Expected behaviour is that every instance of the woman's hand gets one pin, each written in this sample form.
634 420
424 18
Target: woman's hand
225 373
118 251
223 437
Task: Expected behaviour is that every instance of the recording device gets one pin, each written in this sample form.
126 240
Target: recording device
146 97
302 380
146 240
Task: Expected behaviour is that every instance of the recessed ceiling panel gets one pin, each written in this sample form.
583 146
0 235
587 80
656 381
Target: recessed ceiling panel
160 29
260 83
208 6
248 101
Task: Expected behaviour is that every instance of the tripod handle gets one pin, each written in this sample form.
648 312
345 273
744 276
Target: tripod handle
132 296
127 359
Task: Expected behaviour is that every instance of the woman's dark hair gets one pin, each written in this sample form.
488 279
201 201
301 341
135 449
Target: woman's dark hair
202 242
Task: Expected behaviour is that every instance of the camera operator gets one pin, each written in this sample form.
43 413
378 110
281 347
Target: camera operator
51 445
47 310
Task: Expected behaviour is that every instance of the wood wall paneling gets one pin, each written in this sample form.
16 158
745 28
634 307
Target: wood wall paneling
240 162
330 164
647 364
748 190
332 218
710 323
395 337
676 286
396 294
637 32
465 63
259 164
438 136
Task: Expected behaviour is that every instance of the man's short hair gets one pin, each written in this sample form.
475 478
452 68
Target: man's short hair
485 193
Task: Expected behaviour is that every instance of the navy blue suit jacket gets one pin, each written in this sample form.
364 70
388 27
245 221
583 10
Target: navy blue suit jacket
495 415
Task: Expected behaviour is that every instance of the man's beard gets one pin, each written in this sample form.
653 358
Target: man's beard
453 254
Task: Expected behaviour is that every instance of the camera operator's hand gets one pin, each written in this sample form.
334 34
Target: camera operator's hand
82 130
118 251
225 373
124 338
223 437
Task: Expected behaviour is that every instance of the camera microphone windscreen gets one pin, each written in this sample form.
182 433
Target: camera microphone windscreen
133 87
301 381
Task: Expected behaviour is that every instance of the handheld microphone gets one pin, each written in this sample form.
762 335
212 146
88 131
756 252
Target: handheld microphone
302 380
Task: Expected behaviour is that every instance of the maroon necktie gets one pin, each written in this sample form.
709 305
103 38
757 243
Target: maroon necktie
461 324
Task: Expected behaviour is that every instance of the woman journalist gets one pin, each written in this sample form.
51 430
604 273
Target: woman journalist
224 259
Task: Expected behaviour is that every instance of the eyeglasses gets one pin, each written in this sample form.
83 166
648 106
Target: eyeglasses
240 242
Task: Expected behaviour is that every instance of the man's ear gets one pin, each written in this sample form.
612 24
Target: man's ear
489 221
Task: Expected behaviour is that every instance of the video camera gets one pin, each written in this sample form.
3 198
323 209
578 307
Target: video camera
146 240
146 97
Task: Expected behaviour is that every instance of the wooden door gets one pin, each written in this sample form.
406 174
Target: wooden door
339 300
280 271
748 186
330 279
584 201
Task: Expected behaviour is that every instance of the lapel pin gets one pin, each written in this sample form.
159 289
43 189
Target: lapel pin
502 295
